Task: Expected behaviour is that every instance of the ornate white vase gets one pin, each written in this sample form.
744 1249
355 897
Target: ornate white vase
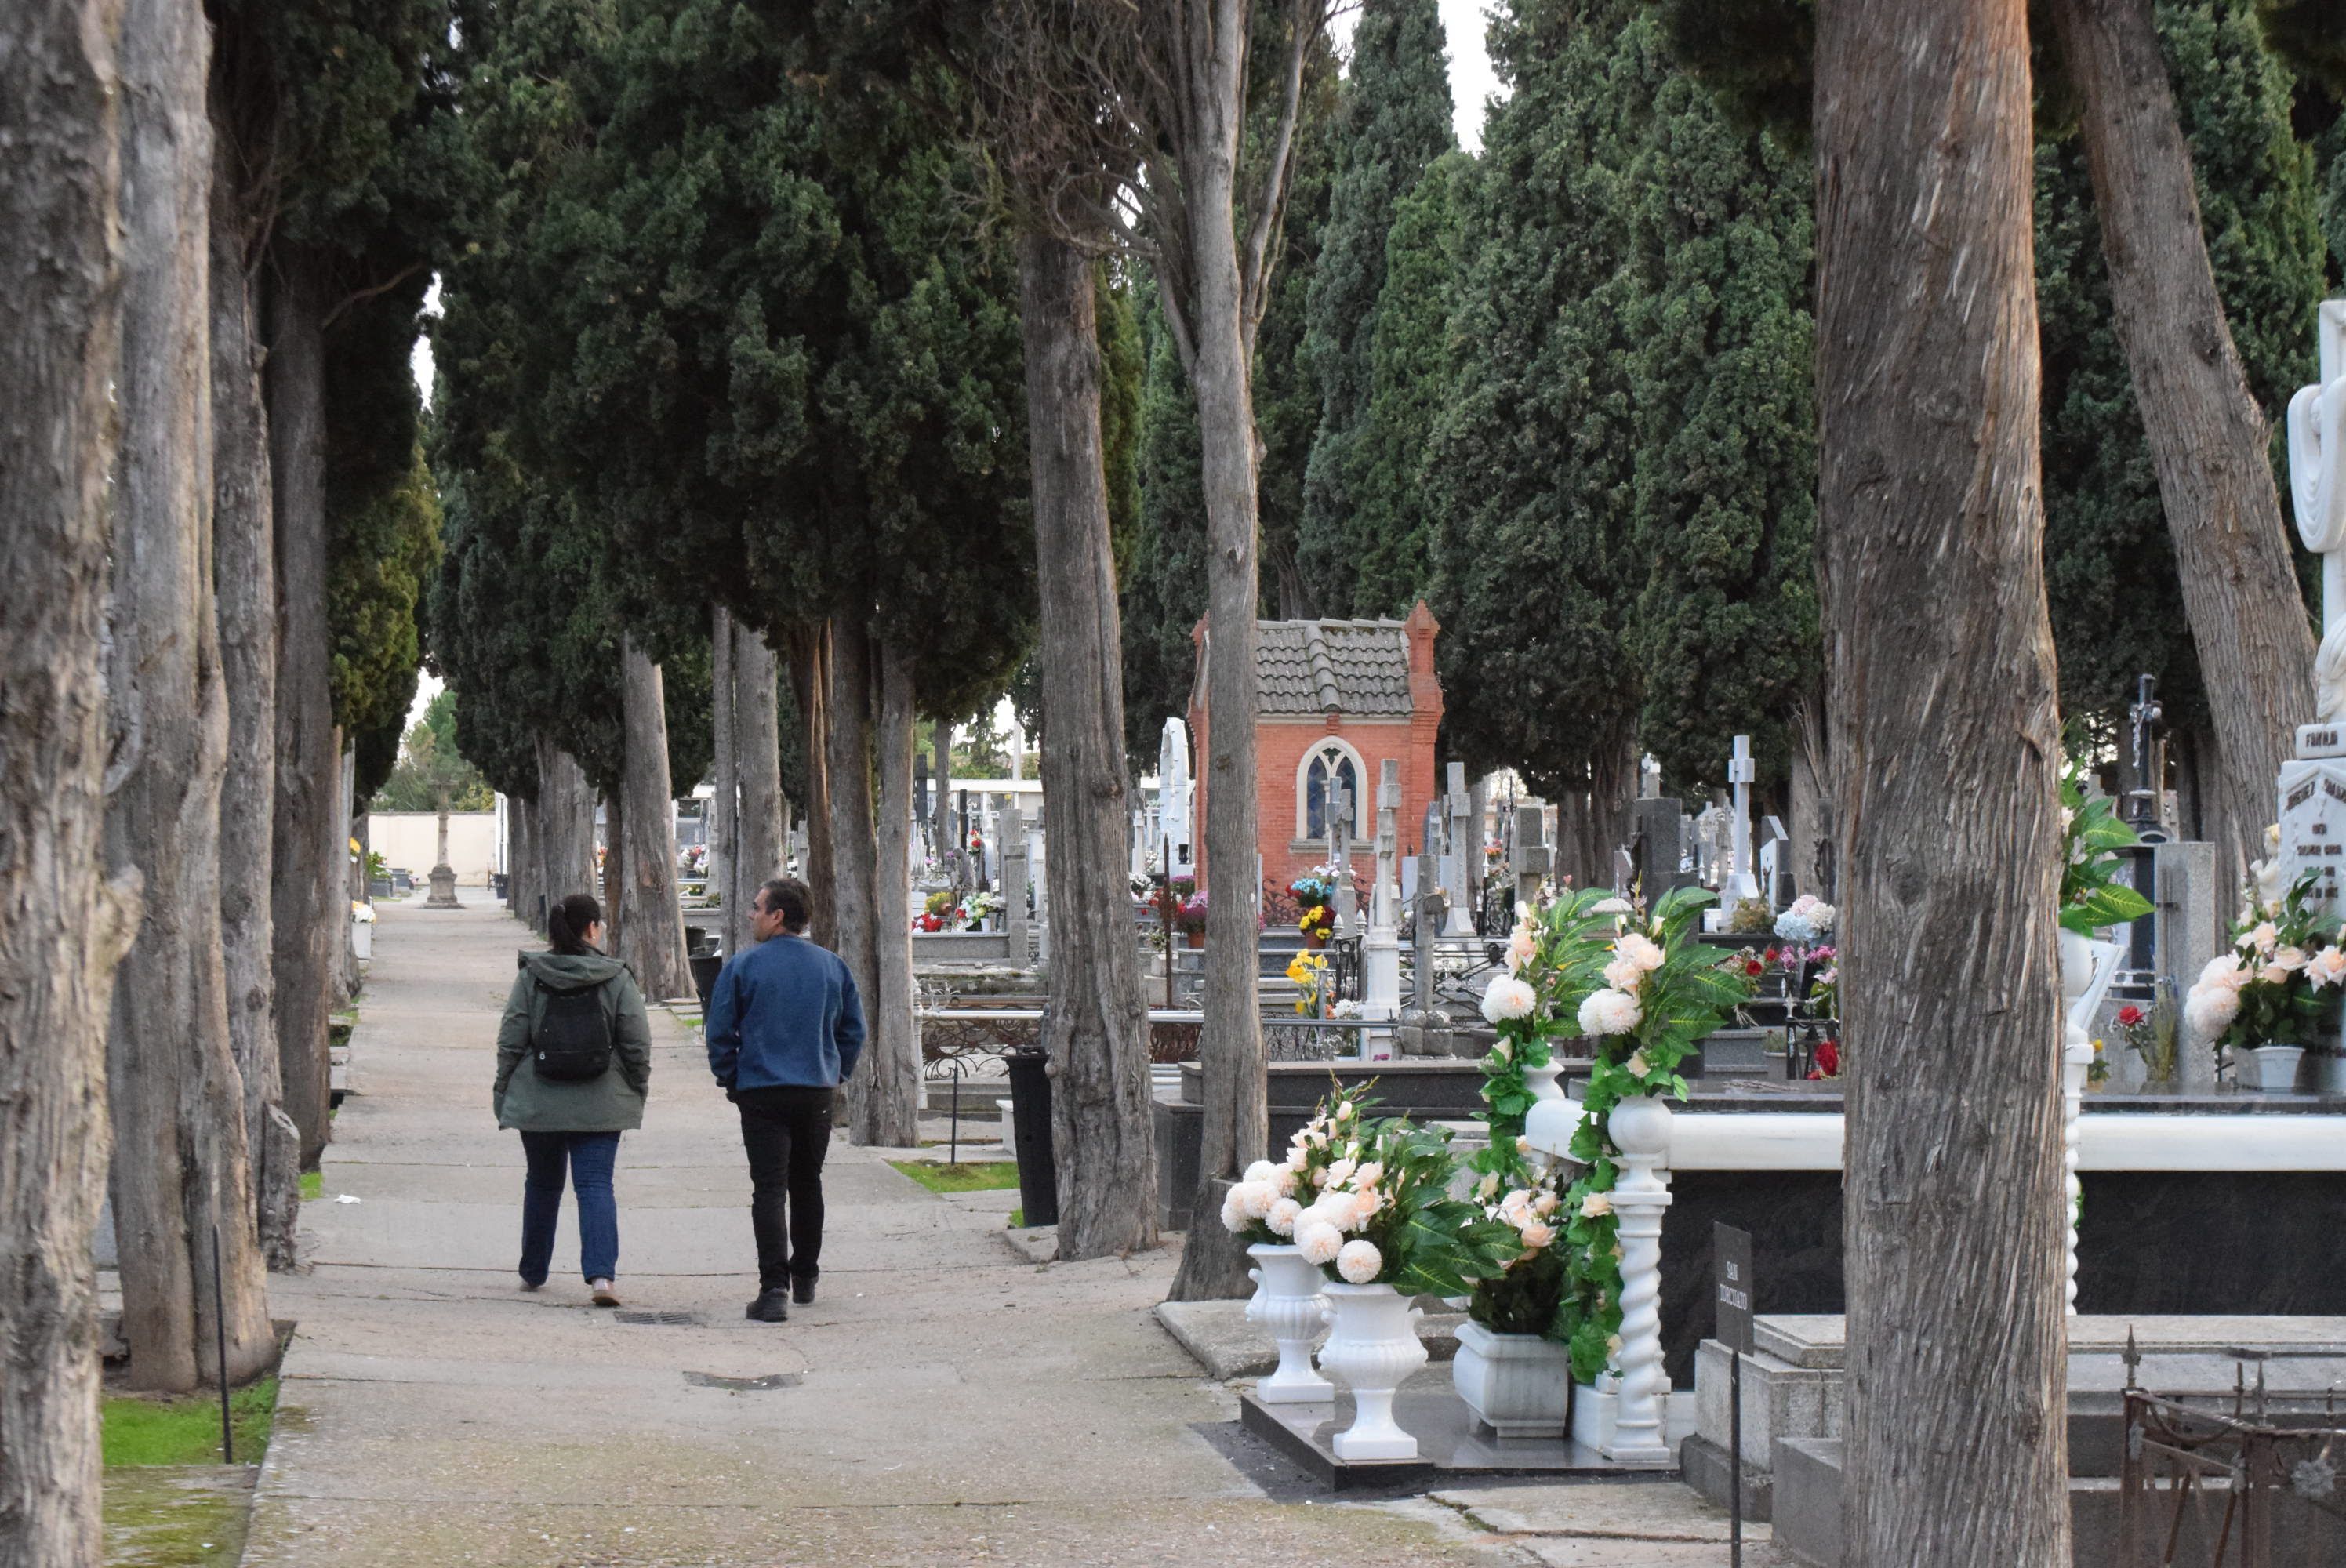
1287 1302
2271 1068
1518 1385
2330 1073
1372 1348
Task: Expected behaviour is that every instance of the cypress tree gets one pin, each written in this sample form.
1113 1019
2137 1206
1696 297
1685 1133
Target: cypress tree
1392 123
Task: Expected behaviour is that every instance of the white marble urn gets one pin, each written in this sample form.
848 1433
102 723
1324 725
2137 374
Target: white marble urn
1288 1302
1518 1385
1372 1350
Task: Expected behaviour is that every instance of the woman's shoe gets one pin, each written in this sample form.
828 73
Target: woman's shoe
605 1294
772 1305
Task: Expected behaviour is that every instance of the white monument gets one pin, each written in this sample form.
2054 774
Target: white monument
1174 793
1462 866
2313 785
1380 953
1740 881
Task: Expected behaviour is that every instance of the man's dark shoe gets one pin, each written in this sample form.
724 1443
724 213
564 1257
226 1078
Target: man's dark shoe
770 1306
802 1291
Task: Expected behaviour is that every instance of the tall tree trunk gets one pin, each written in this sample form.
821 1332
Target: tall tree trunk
347 870
182 1167
610 888
757 757
520 858
2210 442
893 1060
564 832
1808 856
245 580
1928 491
722 864
943 830
1102 1135
303 953
1236 1124
846 742
811 673
66 925
655 936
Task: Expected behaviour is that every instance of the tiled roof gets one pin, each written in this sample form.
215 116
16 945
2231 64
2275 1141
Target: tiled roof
1356 667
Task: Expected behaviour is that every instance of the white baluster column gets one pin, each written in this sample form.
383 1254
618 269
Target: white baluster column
1641 1131
2076 1057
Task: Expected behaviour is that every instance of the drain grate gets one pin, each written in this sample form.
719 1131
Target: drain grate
743 1385
660 1319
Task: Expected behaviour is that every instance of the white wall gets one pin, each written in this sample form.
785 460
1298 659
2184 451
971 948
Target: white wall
411 839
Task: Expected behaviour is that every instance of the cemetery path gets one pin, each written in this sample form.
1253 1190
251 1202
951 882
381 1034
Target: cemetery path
941 1402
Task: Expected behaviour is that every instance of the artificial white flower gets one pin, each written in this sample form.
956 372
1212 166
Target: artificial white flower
1234 1214
2327 967
1508 998
2288 959
1490 1185
1255 1197
1640 950
1609 1012
1282 1216
1259 1171
1537 1235
1318 1242
1623 974
1612 907
1370 1174
1341 1171
2210 1009
1343 1110
2225 969
1596 1205
2265 937
1545 1203
1612 1344
1360 1262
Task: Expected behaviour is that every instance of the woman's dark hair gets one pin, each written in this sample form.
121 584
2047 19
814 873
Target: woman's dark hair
566 920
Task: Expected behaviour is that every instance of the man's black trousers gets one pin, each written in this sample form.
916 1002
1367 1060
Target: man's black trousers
785 1131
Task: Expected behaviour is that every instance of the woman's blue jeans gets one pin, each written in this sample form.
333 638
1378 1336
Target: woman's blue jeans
589 1158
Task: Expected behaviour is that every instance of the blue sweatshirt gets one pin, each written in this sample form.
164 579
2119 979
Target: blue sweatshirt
784 1013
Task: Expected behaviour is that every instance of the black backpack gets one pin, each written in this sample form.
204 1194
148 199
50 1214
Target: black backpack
572 1040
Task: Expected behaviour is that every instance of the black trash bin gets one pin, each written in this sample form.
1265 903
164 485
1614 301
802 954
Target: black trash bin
704 966
1030 1131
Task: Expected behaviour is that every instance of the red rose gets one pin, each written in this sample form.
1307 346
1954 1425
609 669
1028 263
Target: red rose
1775 955
1828 1059
1754 968
2129 1015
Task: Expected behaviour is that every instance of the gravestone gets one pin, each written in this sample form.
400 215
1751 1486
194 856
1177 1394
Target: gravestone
1462 866
1012 826
1339 854
1424 1032
1174 829
1660 856
1534 859
1740 882
1380 953
2313 784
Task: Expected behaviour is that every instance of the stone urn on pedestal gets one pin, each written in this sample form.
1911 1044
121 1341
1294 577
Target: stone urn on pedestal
1372 1349
1289 1303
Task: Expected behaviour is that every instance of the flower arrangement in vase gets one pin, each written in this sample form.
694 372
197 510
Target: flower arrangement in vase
1514 1375
1309 972
2275 992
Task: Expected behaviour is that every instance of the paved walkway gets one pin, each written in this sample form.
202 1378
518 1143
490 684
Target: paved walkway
943 1403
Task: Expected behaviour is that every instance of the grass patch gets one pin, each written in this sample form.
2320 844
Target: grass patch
1018 1219
988 1175
313 1184
138 1433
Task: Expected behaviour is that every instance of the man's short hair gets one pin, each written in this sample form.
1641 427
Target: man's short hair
789 897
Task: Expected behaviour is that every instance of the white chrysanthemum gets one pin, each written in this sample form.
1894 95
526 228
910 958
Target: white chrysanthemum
2210 1009
1316 1242
1360 1262
1255 1197
1282 1216
1609 1012
1259 1171
1508 998
1282 1180
1640 950
1234 1214
2225 969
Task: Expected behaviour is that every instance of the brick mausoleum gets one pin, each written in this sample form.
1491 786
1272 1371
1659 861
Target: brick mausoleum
1335 698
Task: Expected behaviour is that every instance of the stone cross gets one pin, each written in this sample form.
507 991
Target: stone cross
1650 778
1380 953
1428 910
1465 856
1339 853
1740 882
1011 824
2317 470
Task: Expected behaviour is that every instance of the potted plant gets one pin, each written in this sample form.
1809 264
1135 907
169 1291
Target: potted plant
1383 1229
1191 918
1515 1377
2275 990
1263 1209
2153 1036
1309 972
1315 918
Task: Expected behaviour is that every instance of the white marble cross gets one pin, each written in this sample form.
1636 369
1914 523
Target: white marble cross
2317 468
1466 866
1741 770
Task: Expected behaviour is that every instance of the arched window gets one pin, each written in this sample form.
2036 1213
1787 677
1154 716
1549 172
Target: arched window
1326 768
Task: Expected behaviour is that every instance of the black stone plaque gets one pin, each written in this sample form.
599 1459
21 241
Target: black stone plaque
1730 1277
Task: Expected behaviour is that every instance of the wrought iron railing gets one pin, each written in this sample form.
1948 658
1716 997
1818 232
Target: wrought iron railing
2247 1490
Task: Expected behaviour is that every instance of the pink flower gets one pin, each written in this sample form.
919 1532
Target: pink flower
2326 968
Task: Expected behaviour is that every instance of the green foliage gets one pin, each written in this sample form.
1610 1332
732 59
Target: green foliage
2092 896
140 1431
1163 589
1429 1243
1394 121
384 547
432 774
991 1176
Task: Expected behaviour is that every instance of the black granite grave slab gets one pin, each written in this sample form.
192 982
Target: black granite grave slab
1452 1446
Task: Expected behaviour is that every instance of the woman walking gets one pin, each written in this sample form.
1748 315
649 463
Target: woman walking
574 1064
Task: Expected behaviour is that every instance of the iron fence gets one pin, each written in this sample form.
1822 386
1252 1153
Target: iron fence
2247 1490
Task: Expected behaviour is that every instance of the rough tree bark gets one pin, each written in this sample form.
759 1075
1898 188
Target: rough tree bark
1928 490
943 830
893 1060
346 869
181 1167
245 581
721 867
64 925
521 886
811 673
1101 1137
654 935
758 829
847 743
2210 442
1235 1126
304 954
564 831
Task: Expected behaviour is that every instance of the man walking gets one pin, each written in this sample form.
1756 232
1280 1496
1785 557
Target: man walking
784 1029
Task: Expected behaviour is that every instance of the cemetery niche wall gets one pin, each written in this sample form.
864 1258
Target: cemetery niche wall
1335 700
